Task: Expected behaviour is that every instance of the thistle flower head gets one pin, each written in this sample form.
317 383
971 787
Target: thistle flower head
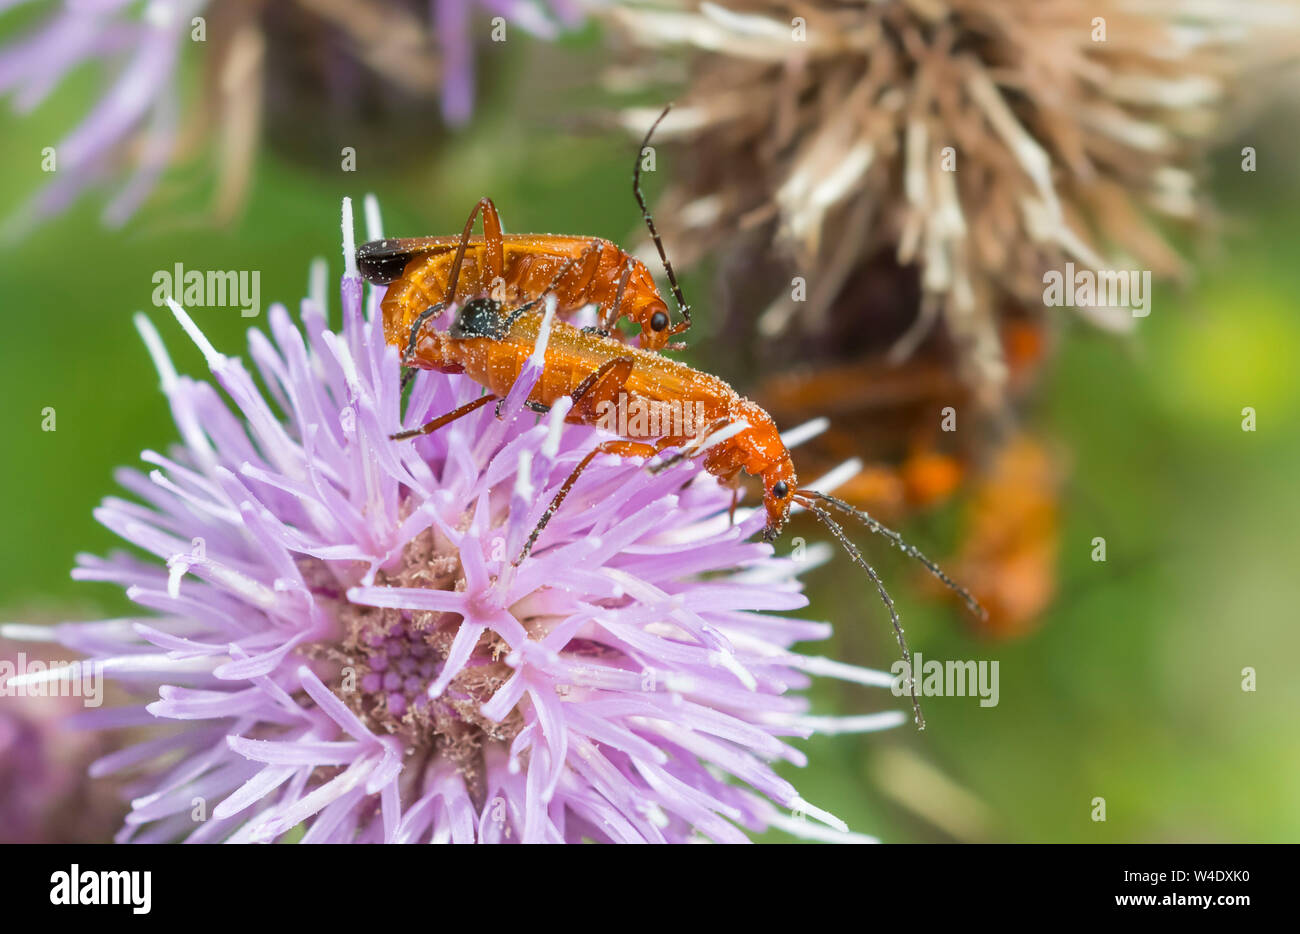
411 49
135 122
332 623
46 795
980 141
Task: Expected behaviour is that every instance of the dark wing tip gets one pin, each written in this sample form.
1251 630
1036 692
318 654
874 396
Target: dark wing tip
382 261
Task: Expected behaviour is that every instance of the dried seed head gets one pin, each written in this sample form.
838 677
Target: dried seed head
981 141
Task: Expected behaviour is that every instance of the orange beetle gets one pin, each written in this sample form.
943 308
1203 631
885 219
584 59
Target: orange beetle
426 274
491 346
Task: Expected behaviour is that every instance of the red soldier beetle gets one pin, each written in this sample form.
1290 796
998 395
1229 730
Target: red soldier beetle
491 347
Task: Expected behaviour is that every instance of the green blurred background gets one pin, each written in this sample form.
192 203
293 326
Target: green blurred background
1131 689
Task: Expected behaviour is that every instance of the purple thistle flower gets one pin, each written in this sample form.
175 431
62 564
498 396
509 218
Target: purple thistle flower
338 630
428 50
453 26
46 795
141 49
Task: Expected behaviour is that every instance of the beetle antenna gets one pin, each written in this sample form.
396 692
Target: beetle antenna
856 557
905 547
684 308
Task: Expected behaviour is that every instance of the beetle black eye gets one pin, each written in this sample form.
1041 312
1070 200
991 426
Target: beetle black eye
780 490
658 321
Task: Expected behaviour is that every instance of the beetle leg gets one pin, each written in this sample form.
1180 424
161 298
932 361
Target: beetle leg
621 448
493 249
590 258
430 427
614 311
491 244
551 287
689 444
603 385
534 406
431 312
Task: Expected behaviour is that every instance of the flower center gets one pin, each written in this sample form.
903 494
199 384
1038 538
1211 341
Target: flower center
387 658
